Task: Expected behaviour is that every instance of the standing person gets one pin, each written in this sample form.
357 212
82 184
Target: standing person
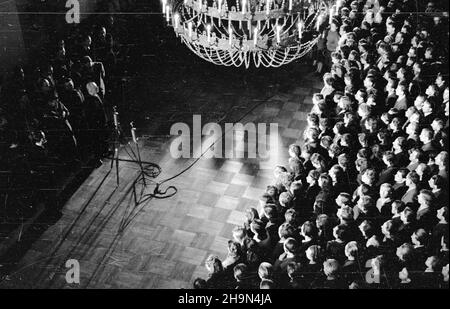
332 40
95 118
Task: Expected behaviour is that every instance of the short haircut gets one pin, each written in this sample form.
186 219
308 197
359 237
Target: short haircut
290 215
428 133
265 270
314 174
266 284
403 171
405 252
388 187
240 271
290 245
341 231
445 213
428 196
366 201
199 283
285 199
258 227
351 248
309 229
439 181
433 261
239 233
389 156
398 206
421 236
330 267
345 198
213 263
414 177
409 214
270 211
346 213
286 230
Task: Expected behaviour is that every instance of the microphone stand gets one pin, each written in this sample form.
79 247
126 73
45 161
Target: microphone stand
116 143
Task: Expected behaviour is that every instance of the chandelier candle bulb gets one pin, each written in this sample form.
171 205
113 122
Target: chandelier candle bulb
267 7
190 29
220 6
116 119
331 15
168 13
255 36
164 3
244 4
290 5
176 19
230 33
133 135
278 34
299 29
208 31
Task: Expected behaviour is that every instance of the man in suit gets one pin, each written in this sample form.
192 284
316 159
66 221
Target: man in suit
420 241
387 175
426 214
410 197
426 137
399 186
400 153
428 114
441 161
383 204
365 209
402 100
408 225
438 187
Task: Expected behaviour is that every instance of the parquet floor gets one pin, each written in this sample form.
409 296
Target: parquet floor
167 241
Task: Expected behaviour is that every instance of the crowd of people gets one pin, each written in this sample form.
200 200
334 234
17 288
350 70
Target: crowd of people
363 202
55 110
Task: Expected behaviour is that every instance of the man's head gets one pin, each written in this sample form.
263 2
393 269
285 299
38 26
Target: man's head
285 199
412 179
213 264
405 252
330 268
239 234
240 272
365 203
351 249
339 232
419 237
397 207
285 231
386 190
388 158
442 214
265 271
343 199
345 213
425 198
432 263
441 160
290 246
408 215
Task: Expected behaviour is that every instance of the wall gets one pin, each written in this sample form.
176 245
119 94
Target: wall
12 48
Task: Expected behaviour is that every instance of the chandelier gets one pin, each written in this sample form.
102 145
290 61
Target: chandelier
268 33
